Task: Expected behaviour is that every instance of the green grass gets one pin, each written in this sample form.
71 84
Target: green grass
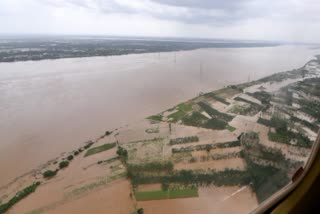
183 109
169 194
230 128
98 149
186 107
157 117
238 109
175 117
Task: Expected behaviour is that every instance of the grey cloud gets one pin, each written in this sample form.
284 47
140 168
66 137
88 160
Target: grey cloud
205 4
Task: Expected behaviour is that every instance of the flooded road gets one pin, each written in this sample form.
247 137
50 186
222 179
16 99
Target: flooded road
51 106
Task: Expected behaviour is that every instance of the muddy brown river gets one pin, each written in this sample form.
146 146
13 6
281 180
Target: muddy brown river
51 106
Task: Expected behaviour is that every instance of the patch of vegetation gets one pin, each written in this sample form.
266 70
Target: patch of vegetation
239 109
265 180
215 113
99 149
182 110
123 153
70 157
166 166
157 117
195 119
140 211
215 124
312 126
75 153
218 98
49 173
264 122
253 108
230 128
311 108
263 96
183 140
88 145
175 117
168 194
186 107
19 196
63 164
283 134
199 120
107 133
288 137
219 178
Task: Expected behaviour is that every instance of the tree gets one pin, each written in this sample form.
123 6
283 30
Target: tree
63 164
49 173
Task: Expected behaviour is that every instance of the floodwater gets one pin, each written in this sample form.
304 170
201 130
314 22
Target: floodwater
51 106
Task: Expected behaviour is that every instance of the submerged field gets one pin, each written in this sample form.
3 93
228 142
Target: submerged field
226 150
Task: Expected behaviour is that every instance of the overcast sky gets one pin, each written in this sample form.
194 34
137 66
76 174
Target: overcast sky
285 20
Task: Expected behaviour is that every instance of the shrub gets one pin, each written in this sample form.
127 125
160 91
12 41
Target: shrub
140 211
122 152
76 153
108 133
63 164
70 157
49 173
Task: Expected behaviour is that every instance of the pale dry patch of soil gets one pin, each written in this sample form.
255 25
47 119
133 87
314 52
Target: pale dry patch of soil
216 151
219 165
137 131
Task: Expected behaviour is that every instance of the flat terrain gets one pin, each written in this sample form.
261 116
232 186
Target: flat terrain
187 159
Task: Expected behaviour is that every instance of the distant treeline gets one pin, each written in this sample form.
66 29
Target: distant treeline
67 47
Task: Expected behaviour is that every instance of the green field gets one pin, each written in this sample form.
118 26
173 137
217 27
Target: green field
169 194
230 128
175 117
98 149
